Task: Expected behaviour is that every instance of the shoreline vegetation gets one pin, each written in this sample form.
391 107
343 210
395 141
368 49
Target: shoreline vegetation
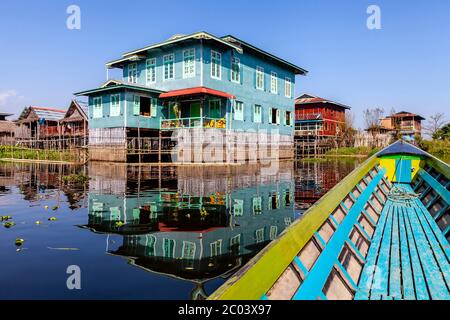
359 152
10 153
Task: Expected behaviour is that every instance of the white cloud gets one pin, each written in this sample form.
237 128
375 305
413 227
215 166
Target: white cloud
5 96
11 101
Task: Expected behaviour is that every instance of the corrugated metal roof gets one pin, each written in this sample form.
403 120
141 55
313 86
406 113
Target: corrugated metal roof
308 99
49 113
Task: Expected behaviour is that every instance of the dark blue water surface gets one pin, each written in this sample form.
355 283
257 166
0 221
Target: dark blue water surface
149 232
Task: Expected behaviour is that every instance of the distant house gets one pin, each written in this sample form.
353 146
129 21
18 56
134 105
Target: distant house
318 117
7 129
407 125
37 123
74 125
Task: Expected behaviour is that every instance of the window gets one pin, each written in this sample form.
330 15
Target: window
235 244
274 83
98 112
257 205
274 116
216 63
235 70
259 235
189 63
150 69
132 73
215 109
239 111
238 208
216 248
168 248
274 202
188 250
169 72
115 105
259 78
257 114
288 118
150 245
136 105
145 106
273 232
288 88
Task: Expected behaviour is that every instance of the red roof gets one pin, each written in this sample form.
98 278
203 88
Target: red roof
196 90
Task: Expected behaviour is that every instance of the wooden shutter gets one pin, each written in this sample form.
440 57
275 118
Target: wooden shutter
154 107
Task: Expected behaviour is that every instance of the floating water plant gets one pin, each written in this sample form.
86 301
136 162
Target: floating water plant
9 224
6 218
52 219
38 222
19 242
54 208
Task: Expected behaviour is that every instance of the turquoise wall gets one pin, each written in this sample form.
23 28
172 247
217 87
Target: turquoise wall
245 91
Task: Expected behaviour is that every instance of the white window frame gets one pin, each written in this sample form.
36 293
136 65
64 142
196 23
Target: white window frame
286 118
136 103
150 70
99 112
114 109
166 64
214 65
259 74
216 248
191 57
237 73
132 73
239 115
153 107
274 82
288 85
255 119
193 246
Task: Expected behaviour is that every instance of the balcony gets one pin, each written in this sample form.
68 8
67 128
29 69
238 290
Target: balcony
196 122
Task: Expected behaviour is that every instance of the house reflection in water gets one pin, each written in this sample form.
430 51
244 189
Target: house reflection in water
195 223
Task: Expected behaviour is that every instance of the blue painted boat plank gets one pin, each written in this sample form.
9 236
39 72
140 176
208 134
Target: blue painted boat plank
366 281
382 271
418 276
435 281
395 290
407 276
317 276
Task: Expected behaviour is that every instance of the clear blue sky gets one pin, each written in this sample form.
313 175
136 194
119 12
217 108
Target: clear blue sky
405 65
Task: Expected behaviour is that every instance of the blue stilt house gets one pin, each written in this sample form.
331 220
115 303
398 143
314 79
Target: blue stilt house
200 98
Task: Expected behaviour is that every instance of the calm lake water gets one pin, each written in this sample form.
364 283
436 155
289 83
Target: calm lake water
146 233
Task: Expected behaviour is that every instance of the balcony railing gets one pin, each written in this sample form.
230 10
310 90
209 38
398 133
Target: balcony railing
196 122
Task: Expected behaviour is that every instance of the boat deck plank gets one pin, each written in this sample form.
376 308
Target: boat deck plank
408 257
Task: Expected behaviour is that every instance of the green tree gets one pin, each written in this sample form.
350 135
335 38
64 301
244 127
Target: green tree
443 133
